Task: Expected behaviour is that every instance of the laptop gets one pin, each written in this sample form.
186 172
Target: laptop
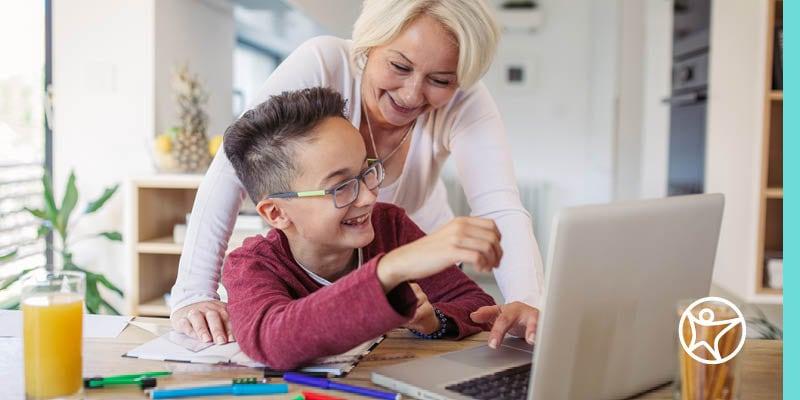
615 274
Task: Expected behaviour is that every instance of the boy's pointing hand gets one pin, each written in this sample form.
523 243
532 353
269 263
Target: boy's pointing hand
465 239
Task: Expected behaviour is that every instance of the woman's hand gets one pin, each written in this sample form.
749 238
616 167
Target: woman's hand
203 321
518 319
464 239
424 320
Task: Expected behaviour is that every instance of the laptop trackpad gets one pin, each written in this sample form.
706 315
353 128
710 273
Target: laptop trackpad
487 358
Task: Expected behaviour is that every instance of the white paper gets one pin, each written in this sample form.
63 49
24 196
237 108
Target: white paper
163 349
155 329
94 326
188 342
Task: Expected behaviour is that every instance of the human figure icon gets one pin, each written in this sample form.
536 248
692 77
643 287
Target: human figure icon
706 319
708 332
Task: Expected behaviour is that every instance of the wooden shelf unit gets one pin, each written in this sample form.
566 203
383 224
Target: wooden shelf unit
770 233
773 193
156 204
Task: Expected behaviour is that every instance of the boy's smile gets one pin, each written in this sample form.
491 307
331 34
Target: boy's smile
357 222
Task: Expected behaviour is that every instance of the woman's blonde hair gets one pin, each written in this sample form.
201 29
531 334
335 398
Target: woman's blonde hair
470 21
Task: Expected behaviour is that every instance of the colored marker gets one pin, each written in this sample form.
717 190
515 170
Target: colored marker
143 379
319 396
328 384
271 373
245 389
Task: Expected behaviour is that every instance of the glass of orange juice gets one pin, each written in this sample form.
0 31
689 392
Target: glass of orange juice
52 314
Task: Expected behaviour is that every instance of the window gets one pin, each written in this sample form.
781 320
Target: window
24 135
252 66
266 32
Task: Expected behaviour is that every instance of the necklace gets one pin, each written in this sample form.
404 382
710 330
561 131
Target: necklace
372 139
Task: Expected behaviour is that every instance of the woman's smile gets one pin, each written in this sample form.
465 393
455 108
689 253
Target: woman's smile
401 108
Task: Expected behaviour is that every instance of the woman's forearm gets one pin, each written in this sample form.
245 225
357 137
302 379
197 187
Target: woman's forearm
210 225
520 275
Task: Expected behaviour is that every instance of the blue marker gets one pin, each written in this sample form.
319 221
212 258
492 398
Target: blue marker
323 383
245 389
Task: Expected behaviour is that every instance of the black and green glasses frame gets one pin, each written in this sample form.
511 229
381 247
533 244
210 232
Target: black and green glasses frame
346 192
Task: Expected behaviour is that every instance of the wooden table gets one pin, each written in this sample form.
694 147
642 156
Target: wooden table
761 364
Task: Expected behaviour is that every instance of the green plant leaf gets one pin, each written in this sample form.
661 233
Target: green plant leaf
43 230
11 303
113 235
38 213
67 205
108 307
49 200
92 299
105 282
98 203
69 265
8 256
13 278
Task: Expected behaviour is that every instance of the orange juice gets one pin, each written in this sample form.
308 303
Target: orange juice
52 335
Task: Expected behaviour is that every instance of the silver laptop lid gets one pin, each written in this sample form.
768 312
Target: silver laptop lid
615 273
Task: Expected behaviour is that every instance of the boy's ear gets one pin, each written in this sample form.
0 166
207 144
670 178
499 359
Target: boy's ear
273 213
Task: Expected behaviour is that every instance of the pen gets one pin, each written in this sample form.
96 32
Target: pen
143 379
319 396
323 383
245 389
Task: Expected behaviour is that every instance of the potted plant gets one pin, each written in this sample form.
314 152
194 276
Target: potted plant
59 220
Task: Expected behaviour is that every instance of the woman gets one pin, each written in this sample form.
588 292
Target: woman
411 80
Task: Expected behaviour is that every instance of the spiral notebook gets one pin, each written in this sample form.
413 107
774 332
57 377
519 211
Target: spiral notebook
177 347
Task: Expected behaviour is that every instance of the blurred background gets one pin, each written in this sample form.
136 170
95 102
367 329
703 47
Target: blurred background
603 100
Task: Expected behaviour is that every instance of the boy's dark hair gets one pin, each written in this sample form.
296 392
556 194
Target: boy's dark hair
260 144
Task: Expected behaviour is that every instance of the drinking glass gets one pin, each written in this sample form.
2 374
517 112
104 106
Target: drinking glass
52 314
706 331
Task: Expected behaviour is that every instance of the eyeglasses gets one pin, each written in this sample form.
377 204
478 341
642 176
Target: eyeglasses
346 192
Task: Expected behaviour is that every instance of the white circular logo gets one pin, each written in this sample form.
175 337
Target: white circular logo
706 320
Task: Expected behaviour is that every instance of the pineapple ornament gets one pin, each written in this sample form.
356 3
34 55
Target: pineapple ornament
190 145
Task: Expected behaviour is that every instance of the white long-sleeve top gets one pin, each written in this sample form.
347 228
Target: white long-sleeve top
469 128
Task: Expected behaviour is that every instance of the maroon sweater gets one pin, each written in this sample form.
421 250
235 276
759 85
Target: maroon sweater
284 318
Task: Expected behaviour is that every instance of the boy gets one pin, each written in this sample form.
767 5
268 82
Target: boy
337 269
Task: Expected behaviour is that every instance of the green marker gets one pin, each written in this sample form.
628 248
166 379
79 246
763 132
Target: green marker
143 379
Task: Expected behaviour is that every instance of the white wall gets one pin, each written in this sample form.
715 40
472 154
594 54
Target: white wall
630 74
111 94
603 101
103 58
200 33
655 114
560 125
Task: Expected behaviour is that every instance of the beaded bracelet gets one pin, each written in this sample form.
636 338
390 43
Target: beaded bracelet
438 334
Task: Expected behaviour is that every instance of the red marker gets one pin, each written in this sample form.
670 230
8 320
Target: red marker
319 396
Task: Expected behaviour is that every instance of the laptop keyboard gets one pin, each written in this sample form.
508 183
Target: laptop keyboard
509 384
